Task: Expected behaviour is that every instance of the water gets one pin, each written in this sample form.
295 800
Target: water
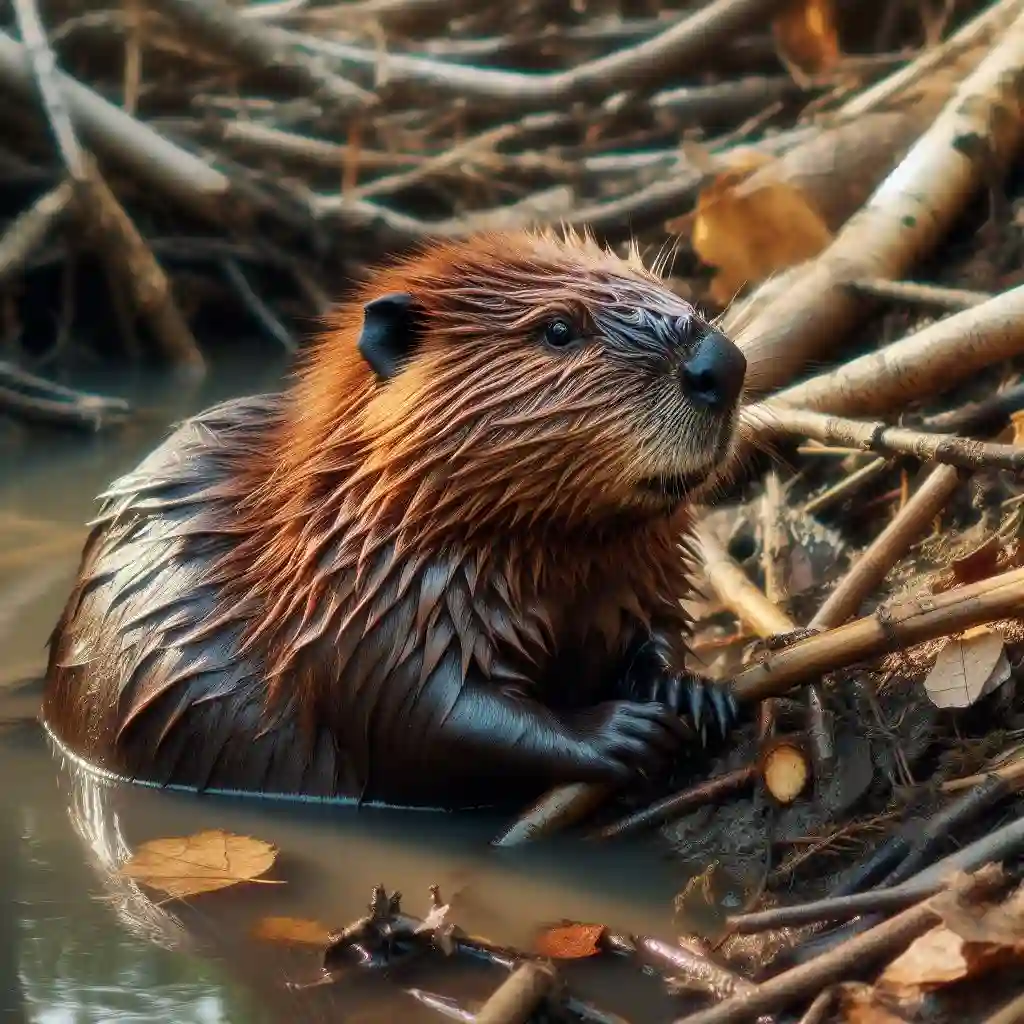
79 944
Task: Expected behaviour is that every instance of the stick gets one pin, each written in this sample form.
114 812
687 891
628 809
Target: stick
122 139
799 982
878 437
902 221
28 230
268 49
920 294
642 67
919 365
898 624
888 547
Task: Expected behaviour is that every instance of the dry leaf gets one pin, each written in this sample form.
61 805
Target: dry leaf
979 563
749 233
569 941
968 668
296 930
1017 422
862 1004
206 861
806 37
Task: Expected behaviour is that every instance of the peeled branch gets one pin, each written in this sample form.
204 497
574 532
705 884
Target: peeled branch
907 215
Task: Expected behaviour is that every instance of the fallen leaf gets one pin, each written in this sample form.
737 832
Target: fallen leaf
978 563
1017 422
863 1004
749 233
806 37
968 668
203 862
972 939
296 930
570 941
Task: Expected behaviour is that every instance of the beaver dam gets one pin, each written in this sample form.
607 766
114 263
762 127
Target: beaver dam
189 186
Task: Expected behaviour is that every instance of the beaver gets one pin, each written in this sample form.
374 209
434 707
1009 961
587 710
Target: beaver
442 568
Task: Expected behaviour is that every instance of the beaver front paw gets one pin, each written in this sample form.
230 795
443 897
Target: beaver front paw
649 677
622 739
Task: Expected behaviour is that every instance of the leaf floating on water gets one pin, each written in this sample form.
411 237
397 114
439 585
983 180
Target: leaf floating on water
295 930
570 941
968 668
204 862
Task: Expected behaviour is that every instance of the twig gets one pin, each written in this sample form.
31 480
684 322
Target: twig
28 230
905 217
978 34
1005 842
696 970
888 547
949 449
267 48
858 953
124 140
846 487
897 624
260 311
34 399
919 294
638 68
677 804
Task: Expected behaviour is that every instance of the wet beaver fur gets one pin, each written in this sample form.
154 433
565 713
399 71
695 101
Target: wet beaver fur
443 568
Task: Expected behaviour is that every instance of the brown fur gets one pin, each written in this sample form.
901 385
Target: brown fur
290 594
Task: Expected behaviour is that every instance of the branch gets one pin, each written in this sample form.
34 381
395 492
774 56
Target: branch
980 127
123 140
267 49
949 449
642 67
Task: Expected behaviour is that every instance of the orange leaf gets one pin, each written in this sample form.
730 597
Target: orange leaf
806 38
569 941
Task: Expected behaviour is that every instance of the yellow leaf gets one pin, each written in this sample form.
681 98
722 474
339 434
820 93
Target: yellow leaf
203 862
1017 421
749 232
298 930
806 37
967 668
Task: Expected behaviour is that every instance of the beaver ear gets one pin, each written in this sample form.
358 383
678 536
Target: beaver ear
390 333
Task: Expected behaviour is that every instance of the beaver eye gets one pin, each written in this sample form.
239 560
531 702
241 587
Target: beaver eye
559 333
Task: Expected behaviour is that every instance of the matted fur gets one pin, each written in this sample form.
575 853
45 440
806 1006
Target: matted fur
268 601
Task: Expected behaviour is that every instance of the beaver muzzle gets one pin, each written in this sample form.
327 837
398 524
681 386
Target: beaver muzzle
714 372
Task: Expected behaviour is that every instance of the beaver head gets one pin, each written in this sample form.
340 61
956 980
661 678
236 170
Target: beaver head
524 376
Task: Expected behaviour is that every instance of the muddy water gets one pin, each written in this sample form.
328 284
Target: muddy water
78 944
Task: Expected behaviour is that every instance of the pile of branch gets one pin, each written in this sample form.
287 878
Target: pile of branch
301 139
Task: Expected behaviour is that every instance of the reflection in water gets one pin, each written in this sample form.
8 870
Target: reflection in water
78 943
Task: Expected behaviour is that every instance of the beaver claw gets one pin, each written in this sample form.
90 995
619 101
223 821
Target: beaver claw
649 678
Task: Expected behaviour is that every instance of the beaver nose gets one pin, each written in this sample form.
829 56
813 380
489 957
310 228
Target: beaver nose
714 372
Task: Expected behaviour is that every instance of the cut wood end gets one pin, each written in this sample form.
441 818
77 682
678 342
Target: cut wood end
785 769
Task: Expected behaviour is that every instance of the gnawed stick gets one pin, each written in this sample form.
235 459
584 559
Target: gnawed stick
897 624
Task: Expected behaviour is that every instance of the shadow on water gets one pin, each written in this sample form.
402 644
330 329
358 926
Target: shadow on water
78 943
